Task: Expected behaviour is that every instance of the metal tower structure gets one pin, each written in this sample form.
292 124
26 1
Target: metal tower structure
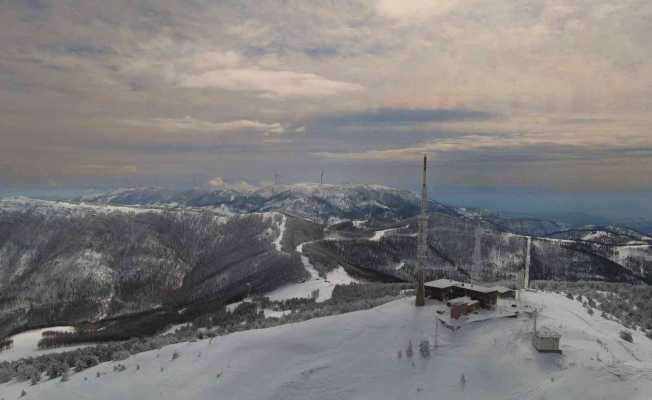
422 245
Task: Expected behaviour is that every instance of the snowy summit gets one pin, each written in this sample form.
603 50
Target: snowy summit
381 354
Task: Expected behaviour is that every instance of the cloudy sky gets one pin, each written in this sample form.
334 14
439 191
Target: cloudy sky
543 95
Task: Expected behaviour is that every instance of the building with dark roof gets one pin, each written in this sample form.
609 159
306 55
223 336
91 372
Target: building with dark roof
445 289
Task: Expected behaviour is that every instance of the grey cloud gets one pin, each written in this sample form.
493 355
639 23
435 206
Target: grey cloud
499 86
405 116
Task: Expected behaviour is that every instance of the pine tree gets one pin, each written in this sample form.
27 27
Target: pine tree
424 348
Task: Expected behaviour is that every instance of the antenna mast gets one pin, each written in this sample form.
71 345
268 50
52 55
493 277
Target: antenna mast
423 238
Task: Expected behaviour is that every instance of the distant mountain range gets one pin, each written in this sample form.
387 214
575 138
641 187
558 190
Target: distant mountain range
137 250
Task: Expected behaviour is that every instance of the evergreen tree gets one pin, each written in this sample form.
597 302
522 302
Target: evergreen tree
424 348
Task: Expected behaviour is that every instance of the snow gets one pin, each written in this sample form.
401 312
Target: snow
315 282
231 307
269 313
339 276
595 235
469 213
25 344
354 356
462 300
382 233
21 203
174 328
278 242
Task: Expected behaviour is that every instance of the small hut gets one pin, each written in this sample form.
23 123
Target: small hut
546 340
462 306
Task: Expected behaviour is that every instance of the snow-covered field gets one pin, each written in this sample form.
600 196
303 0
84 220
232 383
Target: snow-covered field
354 356
26 344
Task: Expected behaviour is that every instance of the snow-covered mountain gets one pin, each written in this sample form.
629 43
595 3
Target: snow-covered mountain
320 202
363 355
135 251
69 263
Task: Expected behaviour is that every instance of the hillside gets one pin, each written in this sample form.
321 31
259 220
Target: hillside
355 356
464 248
88 265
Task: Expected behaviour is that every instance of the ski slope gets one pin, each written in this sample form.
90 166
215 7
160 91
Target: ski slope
279 240
354 356
314 282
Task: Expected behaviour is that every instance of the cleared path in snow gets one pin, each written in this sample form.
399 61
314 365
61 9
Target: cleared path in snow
314 282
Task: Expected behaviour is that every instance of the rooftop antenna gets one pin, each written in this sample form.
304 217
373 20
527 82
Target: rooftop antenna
423 237
321 179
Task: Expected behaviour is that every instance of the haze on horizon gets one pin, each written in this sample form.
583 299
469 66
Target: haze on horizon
545 96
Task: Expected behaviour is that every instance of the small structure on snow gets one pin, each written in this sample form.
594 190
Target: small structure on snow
545 340
462 306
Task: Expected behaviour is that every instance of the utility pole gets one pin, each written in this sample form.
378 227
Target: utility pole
423 239
275 178
321 179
